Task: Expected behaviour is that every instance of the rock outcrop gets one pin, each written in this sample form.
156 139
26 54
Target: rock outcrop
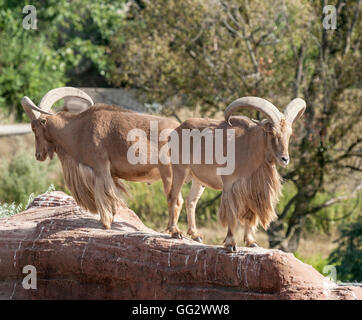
75 258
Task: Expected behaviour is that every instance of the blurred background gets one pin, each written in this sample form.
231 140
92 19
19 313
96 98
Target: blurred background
192 58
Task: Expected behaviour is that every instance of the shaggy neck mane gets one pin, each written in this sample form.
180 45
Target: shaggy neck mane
95 194
252 198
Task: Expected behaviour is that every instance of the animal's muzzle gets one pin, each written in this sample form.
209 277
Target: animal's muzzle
285 160
39 156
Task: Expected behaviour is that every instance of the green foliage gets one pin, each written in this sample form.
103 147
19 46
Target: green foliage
28 66
9 209
162 52
328 219
325 220
23 176
317 262
289 190
208 206
149 202
70 36
348 255
87 27
195 50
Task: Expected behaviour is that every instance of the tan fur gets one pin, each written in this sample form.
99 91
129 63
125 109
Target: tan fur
96 194
92 147
252 198
80 181
251 192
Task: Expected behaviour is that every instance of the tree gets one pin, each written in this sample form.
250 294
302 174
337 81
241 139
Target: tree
348 255
204 54
188 52
327 74
27 63
69 44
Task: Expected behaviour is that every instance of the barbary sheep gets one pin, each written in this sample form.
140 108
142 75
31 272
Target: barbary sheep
92 147
251 191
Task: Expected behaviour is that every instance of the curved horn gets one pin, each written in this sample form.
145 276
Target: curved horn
262 105
54 95
294 110
29 107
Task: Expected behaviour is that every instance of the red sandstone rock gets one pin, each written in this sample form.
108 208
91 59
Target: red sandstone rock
76 258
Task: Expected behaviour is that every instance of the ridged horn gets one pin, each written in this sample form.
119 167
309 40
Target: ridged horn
54 95
260 104
294 110
31 109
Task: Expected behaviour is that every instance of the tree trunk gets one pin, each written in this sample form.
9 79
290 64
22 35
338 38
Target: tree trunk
294 239
288 240
276 234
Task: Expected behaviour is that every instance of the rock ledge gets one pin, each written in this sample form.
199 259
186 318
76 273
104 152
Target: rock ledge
76 258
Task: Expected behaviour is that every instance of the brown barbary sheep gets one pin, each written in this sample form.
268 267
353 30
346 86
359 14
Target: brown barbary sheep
251 191
92 147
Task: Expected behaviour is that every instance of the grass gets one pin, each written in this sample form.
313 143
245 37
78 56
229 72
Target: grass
317 261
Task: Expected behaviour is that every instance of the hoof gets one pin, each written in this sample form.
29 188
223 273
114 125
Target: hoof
177 235
230 248
197 239
253 245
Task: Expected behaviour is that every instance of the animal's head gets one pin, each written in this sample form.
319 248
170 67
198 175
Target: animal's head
43 147
39 124
278 126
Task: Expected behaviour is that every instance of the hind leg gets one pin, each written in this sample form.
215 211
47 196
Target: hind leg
191 201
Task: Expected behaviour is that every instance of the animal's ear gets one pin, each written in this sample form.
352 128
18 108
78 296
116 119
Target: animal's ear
267 126
43 122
